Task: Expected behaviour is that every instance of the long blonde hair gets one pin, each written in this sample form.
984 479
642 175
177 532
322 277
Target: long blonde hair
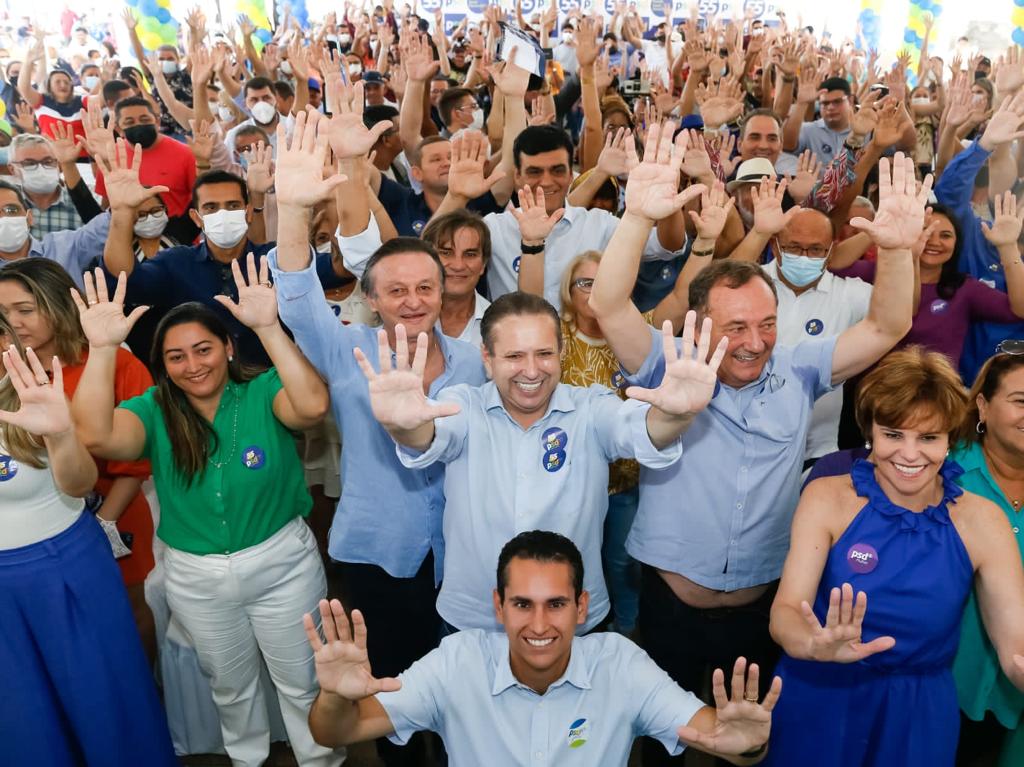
567 314
51 286
17 443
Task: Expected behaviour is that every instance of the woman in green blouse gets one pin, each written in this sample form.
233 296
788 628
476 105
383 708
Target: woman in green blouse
242 566
992 456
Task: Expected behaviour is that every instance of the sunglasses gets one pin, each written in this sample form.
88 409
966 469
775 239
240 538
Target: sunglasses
1013 346
586 283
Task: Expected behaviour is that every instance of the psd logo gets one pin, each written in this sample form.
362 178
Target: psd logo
814 327
253 457
939 306
579 731
862 557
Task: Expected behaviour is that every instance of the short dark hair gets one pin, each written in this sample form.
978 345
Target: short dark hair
113 87
836 84
449 101
10 186
762 112
394 247
541 546
537 139
733 274
379 113
252 130
416 154
256 84
217 177
516 304
134 101
283 89
443 228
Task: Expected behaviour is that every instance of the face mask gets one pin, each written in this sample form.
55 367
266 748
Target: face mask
567 36
263 113
660 39
979 98
478 119
169 67
920 102
144 135
286 67
90 82
344 40
324 248
40 180
13 233
225 228
13 81
5 155
801 270
355 69
224 113
152 225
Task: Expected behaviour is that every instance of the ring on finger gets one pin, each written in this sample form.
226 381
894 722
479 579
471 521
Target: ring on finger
266 284
751 698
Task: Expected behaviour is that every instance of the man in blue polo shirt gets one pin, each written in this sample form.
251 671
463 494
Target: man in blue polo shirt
534 693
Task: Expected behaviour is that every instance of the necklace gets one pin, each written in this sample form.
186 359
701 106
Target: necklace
234 441
1016 504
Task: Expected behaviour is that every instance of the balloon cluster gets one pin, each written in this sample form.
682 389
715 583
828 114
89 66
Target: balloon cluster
257 13
1018 22
156 25
870 24
296 10
913 35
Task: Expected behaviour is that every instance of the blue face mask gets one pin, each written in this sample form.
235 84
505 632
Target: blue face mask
5 155
801 271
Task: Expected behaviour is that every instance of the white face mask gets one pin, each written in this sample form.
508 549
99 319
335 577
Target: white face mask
90 81
345 40
263 113
13 233
286 67
355 69
225 113
324 248
478 119
40 180
225 228
169 67
979 98
920 101
152 225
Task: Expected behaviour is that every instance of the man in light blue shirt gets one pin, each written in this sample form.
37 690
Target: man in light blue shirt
525 451
387 528
713 529
535 694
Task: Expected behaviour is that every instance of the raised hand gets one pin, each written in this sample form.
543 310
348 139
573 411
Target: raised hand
1005 228
97 135
961 104
766 199
342 664
690 377
259 173
892 121
614 159
534 222
25 117
741 723
124 190
807 171
900 217
298 179
201 141
257 300
348 135
103 318
510 79
1009 71
721 103
130 21
418 59
587 44
696 160
652 190
66 145
396 393
715 205
44 407
469 161
1004 126
838 641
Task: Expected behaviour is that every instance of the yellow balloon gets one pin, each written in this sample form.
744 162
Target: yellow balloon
3 109
1018 17
916 26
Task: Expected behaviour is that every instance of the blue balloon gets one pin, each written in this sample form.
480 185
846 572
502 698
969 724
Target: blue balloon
264 35
1018 36
163 15
910 37
1019 3
149 7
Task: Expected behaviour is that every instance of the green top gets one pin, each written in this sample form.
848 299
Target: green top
980 683
258 488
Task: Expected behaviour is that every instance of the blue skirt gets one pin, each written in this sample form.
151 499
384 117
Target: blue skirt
77 688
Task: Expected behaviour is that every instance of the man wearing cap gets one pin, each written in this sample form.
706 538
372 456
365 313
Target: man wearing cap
316 94
373 88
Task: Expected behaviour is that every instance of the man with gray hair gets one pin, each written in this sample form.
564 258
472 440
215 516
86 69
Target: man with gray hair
38 168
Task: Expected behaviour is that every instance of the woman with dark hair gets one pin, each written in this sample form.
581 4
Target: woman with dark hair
77 687
59 103
35 297
241 564
873 685
951 300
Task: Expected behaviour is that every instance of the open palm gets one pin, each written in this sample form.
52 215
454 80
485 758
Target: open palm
900 217
652 190
349 137
298 177
839 640
44 407
103 319
257 300
124 190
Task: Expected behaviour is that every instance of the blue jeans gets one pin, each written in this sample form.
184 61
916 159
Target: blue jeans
621 571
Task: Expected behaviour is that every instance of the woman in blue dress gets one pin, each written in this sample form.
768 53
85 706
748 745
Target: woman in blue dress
865 687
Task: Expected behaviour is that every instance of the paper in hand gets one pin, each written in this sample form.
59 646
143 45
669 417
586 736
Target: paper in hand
528 53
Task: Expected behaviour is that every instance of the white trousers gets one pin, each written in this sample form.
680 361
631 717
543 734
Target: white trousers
237 606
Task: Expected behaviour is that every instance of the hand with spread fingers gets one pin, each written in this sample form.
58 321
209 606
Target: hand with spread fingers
615 159
807 172
298 177
102 317
259 173
349 136
839 640
341 660
1006 226
534 222
742 724
256 307
766 199
124 190
44 409
652 191
469 161
715 205
901 205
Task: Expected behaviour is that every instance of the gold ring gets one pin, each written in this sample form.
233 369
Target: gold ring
752 700
93 303
267 284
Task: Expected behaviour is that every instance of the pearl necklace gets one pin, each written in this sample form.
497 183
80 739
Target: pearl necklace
234 441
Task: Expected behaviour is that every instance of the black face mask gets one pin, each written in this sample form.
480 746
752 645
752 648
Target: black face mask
14 81
144 135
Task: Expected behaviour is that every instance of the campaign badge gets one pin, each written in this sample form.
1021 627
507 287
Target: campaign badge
939 306
554 460
554 439
253 457
814 327
579 731
862 558
8 468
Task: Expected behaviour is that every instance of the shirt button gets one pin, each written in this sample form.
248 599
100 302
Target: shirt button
1016 529
739 505
743 469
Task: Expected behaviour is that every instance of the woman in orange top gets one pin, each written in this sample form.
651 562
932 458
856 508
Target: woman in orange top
35 298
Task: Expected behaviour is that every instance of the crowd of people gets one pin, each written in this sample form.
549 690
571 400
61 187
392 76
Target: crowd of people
622 359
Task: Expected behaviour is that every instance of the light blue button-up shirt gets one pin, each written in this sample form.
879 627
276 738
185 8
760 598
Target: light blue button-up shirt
721 515
610 694
77 250
501 480
388 516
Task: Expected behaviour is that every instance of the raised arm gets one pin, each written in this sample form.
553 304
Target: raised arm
512 81
25 86
419 64
769 219
586 56
534 227
466 179
1003 234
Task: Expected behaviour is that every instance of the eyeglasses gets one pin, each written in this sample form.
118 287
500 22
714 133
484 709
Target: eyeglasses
583 283
1013 346
12 211
49 163
154 213
815 251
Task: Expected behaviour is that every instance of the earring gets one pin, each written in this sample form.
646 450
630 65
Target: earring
231 359
980 427
867 444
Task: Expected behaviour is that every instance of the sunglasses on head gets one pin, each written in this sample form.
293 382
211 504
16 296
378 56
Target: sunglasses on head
1013 346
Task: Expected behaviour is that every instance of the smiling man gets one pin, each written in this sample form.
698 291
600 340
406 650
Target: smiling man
534 694
524 450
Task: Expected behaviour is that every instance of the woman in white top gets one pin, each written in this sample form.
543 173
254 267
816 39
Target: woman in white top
77 686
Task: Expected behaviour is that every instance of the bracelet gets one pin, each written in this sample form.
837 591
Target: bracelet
788 78
531 250
755 752
702 253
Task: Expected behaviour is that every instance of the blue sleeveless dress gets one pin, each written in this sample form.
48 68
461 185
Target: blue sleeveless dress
897 707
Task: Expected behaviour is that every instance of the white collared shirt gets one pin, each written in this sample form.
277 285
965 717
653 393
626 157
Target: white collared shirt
610 694
830 307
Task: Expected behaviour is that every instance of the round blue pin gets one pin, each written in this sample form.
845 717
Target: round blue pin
554 439
515 264
814 327
253 457
554 460
8 468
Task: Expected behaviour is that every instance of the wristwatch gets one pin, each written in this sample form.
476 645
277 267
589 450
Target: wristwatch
531 250
855 143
